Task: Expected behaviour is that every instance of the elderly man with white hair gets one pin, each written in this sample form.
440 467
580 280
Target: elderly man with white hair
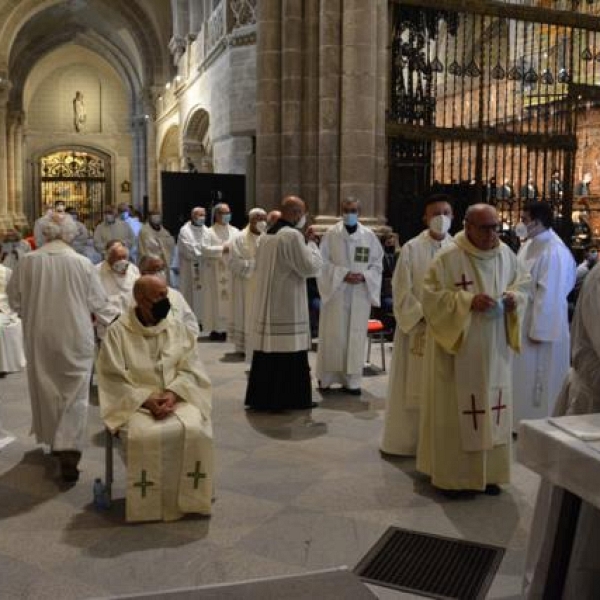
243 266
216 300
189 244
55 291
117 276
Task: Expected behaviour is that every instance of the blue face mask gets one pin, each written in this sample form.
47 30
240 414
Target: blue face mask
199 222
125 215
226 219
350 219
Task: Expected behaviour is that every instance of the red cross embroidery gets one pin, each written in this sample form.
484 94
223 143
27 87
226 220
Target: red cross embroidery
473 412
499 407
463 283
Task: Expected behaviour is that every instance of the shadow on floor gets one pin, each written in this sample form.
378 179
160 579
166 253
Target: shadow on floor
290 425
233 357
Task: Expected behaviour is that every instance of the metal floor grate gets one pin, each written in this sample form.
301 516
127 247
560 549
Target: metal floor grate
430 565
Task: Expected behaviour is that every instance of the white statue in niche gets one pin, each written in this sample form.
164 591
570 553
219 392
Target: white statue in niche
79 115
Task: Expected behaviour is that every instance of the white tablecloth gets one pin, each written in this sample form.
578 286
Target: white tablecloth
561 458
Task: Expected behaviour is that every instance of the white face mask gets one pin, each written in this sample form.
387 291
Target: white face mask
261 226
521 230
120 266
301 223
440 224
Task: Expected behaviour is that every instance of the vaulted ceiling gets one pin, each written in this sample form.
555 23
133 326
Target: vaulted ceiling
132 35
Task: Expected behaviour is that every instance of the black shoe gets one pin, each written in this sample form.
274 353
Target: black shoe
492 490
69 459
222 336
323 390
214 336
352 391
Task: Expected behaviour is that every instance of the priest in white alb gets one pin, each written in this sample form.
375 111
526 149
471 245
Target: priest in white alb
154 391
216 275
540 369
243 268
349 285
56 292
189 243
405 384
473 296
280 374
12 357
578 396
117 276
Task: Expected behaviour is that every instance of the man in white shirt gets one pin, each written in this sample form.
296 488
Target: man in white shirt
405 384
349 284
111 229
55 291
151 265
216 301
540 369
189 242
243 268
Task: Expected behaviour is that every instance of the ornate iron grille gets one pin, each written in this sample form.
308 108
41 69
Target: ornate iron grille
79 180
485 99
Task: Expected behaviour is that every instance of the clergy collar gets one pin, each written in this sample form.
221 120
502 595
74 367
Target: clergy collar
463 242
281 223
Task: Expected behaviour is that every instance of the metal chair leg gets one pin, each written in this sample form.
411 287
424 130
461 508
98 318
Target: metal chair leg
368 349
108 463
382 341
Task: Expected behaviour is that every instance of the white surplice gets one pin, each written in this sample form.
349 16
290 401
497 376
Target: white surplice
170 461
11 253
55 291
579 395
157 243
345 308
540 369
118 288
216 277
105 232
242 263
405 384
465 425
183 312
280 312
189 243
12 357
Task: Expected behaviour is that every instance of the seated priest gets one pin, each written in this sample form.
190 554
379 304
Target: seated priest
154 391
12 357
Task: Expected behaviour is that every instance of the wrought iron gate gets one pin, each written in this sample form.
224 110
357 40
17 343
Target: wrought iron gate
484 104
79 180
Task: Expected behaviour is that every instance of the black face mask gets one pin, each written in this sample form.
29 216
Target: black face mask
160 310
390 249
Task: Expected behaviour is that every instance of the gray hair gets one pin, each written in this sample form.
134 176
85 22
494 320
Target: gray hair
114 247
59 228
350 200
217 207
257 212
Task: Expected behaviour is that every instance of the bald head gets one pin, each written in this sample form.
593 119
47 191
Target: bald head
273 217
482 226
147 291
292 209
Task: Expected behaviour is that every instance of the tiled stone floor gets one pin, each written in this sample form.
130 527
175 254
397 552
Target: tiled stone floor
296 492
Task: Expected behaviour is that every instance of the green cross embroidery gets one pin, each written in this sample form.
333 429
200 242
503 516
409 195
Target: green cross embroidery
196 474
143 484
361 254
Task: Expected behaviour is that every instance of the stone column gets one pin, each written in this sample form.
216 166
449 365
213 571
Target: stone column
330 67
268 104
291 97
138 161
10 165
381 172
5 220
20 218
196 12
359 105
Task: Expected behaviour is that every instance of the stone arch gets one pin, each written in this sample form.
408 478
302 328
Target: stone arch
169 158
197 144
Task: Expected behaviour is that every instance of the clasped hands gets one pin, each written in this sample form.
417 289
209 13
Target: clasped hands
483 302
354 278
161 404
